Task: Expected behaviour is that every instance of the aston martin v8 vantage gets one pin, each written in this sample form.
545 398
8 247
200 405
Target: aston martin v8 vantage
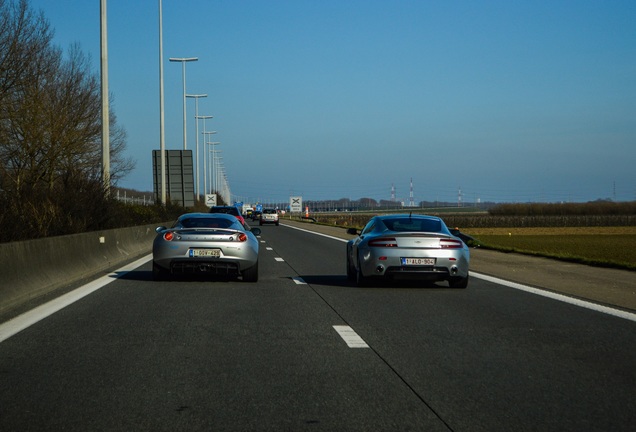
407 247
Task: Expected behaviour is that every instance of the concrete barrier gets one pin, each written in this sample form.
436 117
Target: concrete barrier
33 268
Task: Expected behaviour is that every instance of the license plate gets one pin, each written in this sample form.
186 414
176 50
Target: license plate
418 261
204 253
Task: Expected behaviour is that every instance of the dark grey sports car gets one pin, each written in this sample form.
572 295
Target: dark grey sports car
216 244
407 247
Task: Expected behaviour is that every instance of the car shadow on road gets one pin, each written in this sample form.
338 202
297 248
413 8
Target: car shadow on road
138 275
342 281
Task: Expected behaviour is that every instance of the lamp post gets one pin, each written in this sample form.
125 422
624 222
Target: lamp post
104 95
213 166
196 121
183 61
205 153
162 146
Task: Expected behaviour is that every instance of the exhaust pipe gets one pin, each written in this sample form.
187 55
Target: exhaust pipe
454 270
379 269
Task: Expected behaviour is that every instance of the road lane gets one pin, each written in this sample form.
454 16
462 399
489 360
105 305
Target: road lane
488 357
226 355
198 355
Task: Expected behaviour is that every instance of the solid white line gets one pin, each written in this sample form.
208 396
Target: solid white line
549 294
350 337
316 233
31 317
560 297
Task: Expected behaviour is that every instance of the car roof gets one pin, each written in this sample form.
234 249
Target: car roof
208 216
399 216
222 209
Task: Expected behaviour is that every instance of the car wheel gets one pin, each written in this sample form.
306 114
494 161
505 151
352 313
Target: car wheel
277 224
361 280
351 271
251 274
458 282
158 272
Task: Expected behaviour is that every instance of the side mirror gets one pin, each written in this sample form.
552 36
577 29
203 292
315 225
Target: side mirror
256 231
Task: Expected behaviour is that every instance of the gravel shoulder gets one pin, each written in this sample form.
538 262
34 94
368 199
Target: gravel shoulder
610 287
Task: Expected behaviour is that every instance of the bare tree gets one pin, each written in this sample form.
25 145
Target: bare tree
50 130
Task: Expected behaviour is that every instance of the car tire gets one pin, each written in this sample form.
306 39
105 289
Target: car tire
351 271
361 280
458 282
158 272
251 274
277 223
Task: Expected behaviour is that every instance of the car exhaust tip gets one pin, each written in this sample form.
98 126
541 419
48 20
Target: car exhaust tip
454 270
379 269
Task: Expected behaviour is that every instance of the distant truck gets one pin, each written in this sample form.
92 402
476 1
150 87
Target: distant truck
247 210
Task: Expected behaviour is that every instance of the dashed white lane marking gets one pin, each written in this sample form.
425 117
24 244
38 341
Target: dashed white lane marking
350 337
299 281
279 259
269 248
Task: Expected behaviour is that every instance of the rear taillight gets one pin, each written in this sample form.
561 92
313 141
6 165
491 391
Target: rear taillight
450 244
383 242
242 237
168 236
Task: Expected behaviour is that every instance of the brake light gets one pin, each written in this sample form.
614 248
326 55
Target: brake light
450 244
242 237
383 242
168 236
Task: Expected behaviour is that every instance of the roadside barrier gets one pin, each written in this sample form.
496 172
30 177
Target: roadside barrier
33 268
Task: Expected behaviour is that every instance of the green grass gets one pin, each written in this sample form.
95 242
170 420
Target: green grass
616 251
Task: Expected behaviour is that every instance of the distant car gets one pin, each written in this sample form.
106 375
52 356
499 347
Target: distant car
206 244
233 210
269 216
256 215
407 247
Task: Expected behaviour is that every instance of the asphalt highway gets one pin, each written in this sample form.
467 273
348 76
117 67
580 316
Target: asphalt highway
305 350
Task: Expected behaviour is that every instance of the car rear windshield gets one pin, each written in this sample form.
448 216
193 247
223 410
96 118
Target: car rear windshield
206 223
269 211
413 225
227 210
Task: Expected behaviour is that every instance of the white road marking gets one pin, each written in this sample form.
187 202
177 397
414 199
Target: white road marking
269 248
560 297
350 337
299 281
31 317
279 259
549 294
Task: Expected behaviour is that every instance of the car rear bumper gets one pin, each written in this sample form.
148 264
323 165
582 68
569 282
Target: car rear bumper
217 268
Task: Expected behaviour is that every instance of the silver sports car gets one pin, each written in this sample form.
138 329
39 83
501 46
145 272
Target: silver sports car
407 247
206 243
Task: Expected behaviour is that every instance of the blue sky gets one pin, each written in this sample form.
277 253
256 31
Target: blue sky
509 101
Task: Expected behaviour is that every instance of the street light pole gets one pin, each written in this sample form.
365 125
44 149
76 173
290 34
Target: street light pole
183 61
205 156
162 146
213 166
104 94
196 121
204 132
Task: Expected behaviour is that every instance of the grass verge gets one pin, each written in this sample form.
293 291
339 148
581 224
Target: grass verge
613 247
